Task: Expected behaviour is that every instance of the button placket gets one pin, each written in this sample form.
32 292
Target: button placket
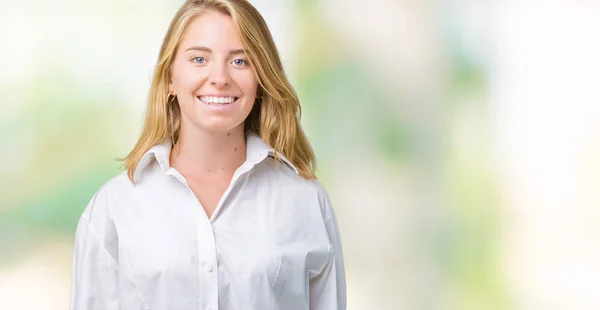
207 254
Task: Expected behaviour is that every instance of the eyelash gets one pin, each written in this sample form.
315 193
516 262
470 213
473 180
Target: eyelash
244 60
204 60
194 60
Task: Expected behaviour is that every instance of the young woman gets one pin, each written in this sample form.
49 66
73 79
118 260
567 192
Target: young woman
219 207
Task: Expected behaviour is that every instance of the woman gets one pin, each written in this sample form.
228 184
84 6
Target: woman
219 207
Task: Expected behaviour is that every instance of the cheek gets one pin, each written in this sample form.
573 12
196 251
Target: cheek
248 84
243 79
185 77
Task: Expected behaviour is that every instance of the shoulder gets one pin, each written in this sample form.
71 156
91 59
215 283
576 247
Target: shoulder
291 184
97 213
99 203
286 175
118 184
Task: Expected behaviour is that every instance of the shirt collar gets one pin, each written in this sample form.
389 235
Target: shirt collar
256 151
159 152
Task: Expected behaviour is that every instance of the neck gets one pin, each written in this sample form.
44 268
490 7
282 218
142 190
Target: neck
205 154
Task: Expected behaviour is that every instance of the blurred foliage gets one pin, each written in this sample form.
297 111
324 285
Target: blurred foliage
68 136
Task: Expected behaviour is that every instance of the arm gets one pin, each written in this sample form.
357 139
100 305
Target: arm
95 273
328 289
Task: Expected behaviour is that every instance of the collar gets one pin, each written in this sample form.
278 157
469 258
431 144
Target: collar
256 151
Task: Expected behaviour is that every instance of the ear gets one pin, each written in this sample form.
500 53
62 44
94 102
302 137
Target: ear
171 89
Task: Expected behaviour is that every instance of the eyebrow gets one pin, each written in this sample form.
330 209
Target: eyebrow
208 50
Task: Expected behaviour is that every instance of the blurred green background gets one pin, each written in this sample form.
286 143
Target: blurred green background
458 140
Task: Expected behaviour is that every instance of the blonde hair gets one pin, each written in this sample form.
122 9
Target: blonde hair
275 118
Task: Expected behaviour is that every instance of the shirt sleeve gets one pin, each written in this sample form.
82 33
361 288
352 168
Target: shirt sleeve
328 289
95 273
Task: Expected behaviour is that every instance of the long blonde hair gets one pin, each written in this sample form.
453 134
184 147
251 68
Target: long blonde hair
275 118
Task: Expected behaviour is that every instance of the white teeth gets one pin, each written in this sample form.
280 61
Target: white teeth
217 100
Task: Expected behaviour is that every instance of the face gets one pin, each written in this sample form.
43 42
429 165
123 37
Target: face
211 76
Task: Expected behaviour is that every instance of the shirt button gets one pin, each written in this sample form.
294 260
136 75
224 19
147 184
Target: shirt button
208 270
209 308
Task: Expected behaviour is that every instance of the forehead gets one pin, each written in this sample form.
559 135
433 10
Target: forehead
213 30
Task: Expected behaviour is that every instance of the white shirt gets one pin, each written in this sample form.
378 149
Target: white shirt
272 242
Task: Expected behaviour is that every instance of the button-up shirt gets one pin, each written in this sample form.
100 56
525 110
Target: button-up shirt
272 242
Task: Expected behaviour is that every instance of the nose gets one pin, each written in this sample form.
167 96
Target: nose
219 77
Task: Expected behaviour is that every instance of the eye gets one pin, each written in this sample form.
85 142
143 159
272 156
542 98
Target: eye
240 62
199 60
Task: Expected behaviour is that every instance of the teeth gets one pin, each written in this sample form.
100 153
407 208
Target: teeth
218 100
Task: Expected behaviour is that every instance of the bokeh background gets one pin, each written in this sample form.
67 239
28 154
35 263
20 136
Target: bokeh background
459 140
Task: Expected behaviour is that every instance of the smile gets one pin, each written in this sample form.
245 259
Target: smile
218 100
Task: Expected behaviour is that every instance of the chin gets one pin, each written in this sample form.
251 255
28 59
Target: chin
219 126
211 123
